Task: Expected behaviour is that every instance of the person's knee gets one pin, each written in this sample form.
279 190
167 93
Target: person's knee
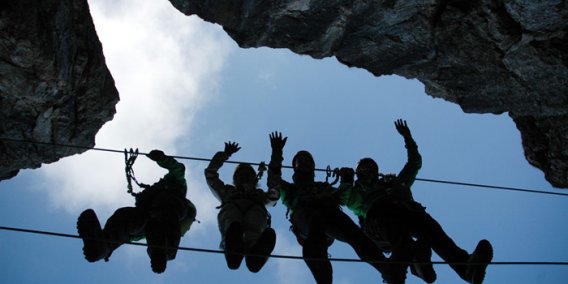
314 248
255 221
230 213
316 239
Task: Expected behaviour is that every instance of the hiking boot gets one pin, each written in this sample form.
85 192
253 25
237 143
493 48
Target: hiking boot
478 261
158 261
394 277
95 247
261 250
393 273
234 246
422 264
315 255
157 246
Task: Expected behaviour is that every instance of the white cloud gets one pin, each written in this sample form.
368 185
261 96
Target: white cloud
290 270
206 204
165 66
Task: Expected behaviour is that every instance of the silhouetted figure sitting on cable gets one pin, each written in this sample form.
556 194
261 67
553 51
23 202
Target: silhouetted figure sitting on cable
244 221
389 214
161 214
315 214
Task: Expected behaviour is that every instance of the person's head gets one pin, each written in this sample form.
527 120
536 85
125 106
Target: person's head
303 162
367 170
244 174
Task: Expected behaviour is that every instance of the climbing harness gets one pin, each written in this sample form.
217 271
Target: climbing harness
253 202
250 203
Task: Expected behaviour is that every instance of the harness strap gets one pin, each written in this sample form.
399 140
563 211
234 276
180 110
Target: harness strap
248 207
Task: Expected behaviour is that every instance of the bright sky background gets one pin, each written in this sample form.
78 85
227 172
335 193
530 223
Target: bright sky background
186 88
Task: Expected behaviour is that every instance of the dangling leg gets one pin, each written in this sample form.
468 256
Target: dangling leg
95 247
261 250
422 261
403 247
389 225
315 253
177 211
157 245
234 245
163 231
230 220
308 222
476 263
126 223
339 226
259 238
119 228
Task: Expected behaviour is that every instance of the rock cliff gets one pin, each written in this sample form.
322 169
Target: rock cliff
488 56
54 83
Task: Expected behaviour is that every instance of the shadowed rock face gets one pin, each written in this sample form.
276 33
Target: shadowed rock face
54 84
488 56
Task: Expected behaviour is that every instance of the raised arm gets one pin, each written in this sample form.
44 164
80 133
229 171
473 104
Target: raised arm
408 174
277 143
345 189
216 185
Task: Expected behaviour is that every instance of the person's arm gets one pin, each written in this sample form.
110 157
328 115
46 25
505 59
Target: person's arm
176 170
275 181
272 197
345 188
277 143
216 185
408 174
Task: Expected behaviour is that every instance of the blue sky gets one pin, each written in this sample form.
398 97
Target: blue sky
187 88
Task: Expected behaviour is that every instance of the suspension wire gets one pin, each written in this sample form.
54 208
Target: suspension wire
491 186
334 259
288 167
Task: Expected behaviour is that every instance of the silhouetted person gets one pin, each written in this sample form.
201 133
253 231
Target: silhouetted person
244 221
390 214
315 214
161 214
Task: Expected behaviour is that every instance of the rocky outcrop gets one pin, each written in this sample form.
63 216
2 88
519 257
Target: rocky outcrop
54 84
488 56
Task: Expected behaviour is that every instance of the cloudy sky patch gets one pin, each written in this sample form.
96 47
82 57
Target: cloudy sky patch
164 65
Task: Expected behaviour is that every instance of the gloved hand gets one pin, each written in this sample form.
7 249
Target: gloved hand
231 148
276 140
273 194
402 128
347 175
156 155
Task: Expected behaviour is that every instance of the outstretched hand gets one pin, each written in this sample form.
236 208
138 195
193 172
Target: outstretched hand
276 140
156 155
402 127
231 148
